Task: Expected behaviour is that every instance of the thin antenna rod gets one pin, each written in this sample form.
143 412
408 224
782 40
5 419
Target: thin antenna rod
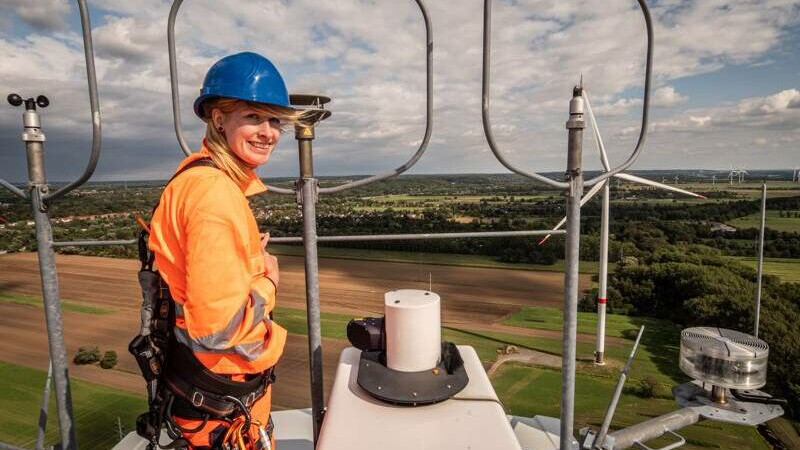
612 407
43 410
760 256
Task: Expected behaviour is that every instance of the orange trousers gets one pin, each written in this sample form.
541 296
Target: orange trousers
210 436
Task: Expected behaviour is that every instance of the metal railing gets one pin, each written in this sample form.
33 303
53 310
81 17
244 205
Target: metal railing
574 185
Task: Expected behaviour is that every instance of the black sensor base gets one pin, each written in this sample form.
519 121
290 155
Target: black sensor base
413 388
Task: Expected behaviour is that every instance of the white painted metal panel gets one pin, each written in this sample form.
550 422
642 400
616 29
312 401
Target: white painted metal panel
473 419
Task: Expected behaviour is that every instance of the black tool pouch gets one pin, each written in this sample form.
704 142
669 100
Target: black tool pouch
147 352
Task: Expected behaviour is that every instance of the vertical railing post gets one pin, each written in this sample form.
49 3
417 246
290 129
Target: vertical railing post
574 177
34 147
760 257
308 191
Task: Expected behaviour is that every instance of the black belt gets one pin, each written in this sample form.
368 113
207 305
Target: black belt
199 391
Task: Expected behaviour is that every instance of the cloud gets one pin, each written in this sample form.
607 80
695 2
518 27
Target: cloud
39 14
666 97
773 104
370 58
701 121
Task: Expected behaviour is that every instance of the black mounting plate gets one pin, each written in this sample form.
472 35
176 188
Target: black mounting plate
410 388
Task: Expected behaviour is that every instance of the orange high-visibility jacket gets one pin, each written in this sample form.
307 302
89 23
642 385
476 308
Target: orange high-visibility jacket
207 248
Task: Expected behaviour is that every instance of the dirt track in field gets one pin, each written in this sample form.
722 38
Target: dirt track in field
472 298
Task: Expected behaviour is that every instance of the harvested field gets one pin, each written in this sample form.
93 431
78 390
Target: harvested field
476 296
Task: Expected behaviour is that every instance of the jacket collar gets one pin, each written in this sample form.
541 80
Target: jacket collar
253 186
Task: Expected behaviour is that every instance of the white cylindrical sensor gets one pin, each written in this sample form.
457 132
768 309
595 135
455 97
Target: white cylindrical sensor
413 330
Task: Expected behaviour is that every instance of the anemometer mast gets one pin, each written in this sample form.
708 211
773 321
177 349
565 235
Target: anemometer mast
40 197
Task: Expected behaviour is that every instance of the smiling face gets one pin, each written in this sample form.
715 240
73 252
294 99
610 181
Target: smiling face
251 132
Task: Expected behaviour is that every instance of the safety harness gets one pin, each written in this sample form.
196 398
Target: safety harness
177 383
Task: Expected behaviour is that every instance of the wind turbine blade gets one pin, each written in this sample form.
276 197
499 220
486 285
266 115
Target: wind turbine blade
598 138
588 196
666 187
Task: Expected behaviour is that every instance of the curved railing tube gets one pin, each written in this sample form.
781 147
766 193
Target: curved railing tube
173 72
94 103
12 188
428 117
487 126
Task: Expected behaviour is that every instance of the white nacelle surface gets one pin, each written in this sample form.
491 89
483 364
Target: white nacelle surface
354 420
472 419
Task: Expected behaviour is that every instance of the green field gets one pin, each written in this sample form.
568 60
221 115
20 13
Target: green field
773 221
440 199
788 270
441 259
96 410
66 305
528 391
658 352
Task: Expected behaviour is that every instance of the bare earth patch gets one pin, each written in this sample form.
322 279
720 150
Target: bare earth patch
471 298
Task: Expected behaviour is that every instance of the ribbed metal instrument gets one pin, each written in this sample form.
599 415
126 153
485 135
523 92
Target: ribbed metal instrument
725 358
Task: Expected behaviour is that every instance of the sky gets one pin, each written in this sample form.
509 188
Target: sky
726 86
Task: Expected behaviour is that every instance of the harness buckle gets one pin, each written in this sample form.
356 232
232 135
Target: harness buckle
250 399
197 399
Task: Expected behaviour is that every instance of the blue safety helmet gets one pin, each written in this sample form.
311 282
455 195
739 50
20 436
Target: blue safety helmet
243 76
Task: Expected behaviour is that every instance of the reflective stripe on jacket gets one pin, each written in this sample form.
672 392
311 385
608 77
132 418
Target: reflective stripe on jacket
207 248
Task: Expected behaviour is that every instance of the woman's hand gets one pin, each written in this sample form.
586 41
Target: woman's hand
270 262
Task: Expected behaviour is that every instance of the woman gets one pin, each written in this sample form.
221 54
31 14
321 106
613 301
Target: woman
209 252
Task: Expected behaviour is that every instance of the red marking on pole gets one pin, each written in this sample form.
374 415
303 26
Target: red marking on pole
602 301
544 239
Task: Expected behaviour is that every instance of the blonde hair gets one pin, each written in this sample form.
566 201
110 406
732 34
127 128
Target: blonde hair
217 145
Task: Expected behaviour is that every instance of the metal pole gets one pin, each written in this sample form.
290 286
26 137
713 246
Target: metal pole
574 177
309 195
43 411
34 139
602 294
351 238
52 309
612 407
760 256
653 428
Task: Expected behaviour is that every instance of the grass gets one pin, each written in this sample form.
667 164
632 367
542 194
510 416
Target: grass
773 221
617 325
96 410
442 259
657 352
65 305
528 391
451 198
334 326
788 270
